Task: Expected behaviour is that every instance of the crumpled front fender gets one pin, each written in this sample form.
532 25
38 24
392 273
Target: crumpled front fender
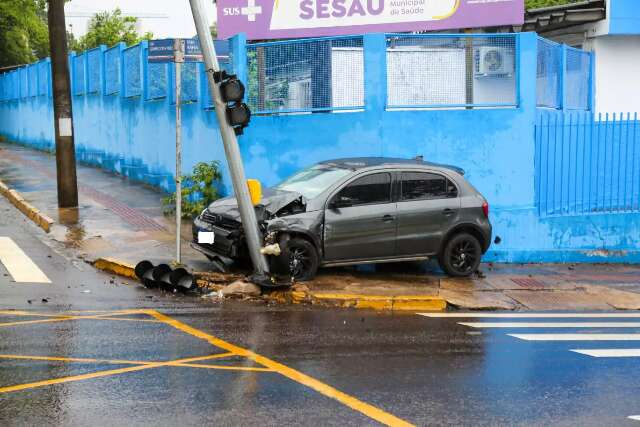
308 224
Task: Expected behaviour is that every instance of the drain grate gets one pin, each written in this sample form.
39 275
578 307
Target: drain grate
528 283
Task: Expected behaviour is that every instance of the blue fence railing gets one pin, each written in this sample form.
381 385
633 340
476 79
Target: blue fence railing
328 74
587 163
564 77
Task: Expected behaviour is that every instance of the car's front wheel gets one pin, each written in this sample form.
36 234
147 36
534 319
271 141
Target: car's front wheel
299 258
461 255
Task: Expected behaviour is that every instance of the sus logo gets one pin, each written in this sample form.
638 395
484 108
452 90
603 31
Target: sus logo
251 10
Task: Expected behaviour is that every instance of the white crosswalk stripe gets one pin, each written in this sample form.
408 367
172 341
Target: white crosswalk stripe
577 337
21 268
532 315
566 336
515 325
614 352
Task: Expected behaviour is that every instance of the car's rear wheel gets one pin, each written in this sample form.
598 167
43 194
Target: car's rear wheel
461 255
299 258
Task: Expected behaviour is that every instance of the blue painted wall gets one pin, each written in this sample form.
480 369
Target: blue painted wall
496 146
624 17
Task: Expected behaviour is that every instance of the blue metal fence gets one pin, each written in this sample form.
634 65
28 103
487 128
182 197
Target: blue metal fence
24 82
94 70
112 59
44 77
587 163
306 75
452 71
327 74
549 74
564 77
577 75
78 82
157 75
133 71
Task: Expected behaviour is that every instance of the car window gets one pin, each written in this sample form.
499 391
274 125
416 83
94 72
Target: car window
312 181
422 185
374 188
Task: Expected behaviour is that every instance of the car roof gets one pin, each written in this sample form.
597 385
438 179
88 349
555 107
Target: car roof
356 163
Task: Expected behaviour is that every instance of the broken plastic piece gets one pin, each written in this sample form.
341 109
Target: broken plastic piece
273 250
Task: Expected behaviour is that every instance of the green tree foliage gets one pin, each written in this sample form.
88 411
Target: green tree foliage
199 190
109 28
23 31
534 4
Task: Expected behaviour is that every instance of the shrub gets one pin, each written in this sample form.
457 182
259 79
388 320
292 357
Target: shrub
199 190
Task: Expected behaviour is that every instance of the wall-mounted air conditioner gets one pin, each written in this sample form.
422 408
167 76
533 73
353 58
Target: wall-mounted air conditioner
494 61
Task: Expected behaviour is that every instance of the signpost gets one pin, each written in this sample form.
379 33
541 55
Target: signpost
178 51
272 19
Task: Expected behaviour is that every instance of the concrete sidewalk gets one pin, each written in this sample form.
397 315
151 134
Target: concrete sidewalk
116 218
123 220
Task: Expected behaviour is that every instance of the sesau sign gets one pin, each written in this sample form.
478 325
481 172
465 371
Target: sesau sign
268 19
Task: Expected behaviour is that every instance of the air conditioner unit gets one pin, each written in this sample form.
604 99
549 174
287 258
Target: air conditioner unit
494 60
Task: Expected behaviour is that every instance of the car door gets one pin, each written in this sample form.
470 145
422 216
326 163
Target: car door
428 205
360 220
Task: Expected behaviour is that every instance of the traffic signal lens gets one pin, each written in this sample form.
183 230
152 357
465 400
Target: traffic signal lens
238 115
232 90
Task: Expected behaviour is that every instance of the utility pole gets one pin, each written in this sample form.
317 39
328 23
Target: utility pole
178 50
63 117
231 149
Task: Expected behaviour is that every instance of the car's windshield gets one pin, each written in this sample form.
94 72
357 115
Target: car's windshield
312 181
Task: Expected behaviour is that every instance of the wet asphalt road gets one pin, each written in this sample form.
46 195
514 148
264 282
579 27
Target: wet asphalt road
425 371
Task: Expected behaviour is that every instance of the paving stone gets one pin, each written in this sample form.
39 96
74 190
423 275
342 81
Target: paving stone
465 284
483 300
621 300
559 300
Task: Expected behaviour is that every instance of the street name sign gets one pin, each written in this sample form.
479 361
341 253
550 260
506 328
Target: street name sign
270 19
174 50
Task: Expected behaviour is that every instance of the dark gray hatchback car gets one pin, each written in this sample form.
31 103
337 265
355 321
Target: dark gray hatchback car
357 211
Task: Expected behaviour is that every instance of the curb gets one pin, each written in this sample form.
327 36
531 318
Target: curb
361 301
115 266
34 214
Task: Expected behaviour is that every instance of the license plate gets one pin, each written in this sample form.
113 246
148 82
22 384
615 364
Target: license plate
206 237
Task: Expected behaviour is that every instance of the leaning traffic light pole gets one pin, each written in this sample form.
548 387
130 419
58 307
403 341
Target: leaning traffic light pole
230 141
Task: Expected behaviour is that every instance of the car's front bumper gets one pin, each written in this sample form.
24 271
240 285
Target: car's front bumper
226 243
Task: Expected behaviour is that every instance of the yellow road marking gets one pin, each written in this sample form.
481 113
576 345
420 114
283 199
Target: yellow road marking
18 264
322 388
139 362
99 374
62 318
28 322
124 319
75 359
224 367
19 313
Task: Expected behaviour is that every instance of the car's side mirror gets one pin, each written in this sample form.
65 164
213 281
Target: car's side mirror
341 202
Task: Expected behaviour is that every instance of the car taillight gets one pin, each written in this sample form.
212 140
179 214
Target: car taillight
485 209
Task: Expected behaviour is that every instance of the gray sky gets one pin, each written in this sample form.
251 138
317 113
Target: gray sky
164 18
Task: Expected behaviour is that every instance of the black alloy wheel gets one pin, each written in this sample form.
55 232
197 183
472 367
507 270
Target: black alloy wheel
461 255
299 259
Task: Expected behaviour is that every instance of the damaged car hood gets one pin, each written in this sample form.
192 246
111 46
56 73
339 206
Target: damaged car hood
272 202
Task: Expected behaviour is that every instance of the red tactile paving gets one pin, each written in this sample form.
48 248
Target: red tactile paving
528 283
130 215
